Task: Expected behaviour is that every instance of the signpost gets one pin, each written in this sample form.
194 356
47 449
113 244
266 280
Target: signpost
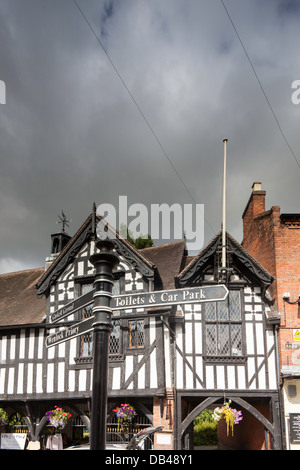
104 304
70 332
169 297
73 306
191 295
104 262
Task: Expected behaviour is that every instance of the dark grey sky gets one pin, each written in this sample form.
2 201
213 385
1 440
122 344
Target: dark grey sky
71 134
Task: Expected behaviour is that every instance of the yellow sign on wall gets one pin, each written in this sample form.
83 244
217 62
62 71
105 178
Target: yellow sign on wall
296 335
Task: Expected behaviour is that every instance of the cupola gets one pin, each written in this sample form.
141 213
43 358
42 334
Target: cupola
58 240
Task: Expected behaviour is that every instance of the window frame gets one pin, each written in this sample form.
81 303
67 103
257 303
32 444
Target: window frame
229 322
81 359
130 346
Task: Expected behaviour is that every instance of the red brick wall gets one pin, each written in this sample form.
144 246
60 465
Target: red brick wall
274 241
163 415
260 241
288 280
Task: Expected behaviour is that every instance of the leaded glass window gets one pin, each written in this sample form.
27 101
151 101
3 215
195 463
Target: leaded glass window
86 344
115 338
136 333
223 326
86 340
116 332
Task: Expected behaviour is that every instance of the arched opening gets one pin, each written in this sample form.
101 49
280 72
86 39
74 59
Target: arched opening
255 432
55 246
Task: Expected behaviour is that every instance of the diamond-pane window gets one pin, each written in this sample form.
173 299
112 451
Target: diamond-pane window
115 338
211 339
211 311
136 333
86 344
86 340
223 326
235 305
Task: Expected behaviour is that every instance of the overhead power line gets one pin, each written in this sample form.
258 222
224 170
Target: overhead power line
138 107
260 84
134 100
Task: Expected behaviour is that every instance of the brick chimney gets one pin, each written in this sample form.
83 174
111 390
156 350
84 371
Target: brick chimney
255 206
259 230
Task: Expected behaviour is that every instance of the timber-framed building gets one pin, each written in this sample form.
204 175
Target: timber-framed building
170 363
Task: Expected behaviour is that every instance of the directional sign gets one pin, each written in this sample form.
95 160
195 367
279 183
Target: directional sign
132 301
70 332
169 297
71 307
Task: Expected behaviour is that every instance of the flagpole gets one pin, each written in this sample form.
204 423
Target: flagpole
224 207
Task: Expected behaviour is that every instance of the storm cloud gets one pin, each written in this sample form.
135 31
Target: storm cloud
135 97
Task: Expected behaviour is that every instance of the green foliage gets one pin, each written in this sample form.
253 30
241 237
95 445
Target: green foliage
3 416
205 429
140 242
16 420
205 416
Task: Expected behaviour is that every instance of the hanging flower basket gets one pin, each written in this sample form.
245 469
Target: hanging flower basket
58 418
3 416
125 414
231 415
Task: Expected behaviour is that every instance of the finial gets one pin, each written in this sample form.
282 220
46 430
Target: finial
94 220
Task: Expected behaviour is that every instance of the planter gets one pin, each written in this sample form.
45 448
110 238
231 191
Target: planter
125 414
58 418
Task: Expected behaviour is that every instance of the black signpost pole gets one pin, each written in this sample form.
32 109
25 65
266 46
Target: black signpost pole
104 263
103 305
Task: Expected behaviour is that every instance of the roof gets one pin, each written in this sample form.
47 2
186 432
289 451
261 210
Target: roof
169 259
291 220
84 234
253 266
19 303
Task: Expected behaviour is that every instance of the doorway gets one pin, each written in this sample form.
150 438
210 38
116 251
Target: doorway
260 413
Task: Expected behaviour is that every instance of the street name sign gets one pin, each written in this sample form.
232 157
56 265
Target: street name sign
73 306
162 298
70 332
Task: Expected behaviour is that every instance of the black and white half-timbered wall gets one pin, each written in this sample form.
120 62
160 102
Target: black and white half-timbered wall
170 363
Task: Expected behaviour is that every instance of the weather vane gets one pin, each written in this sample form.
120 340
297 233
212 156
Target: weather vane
63 221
